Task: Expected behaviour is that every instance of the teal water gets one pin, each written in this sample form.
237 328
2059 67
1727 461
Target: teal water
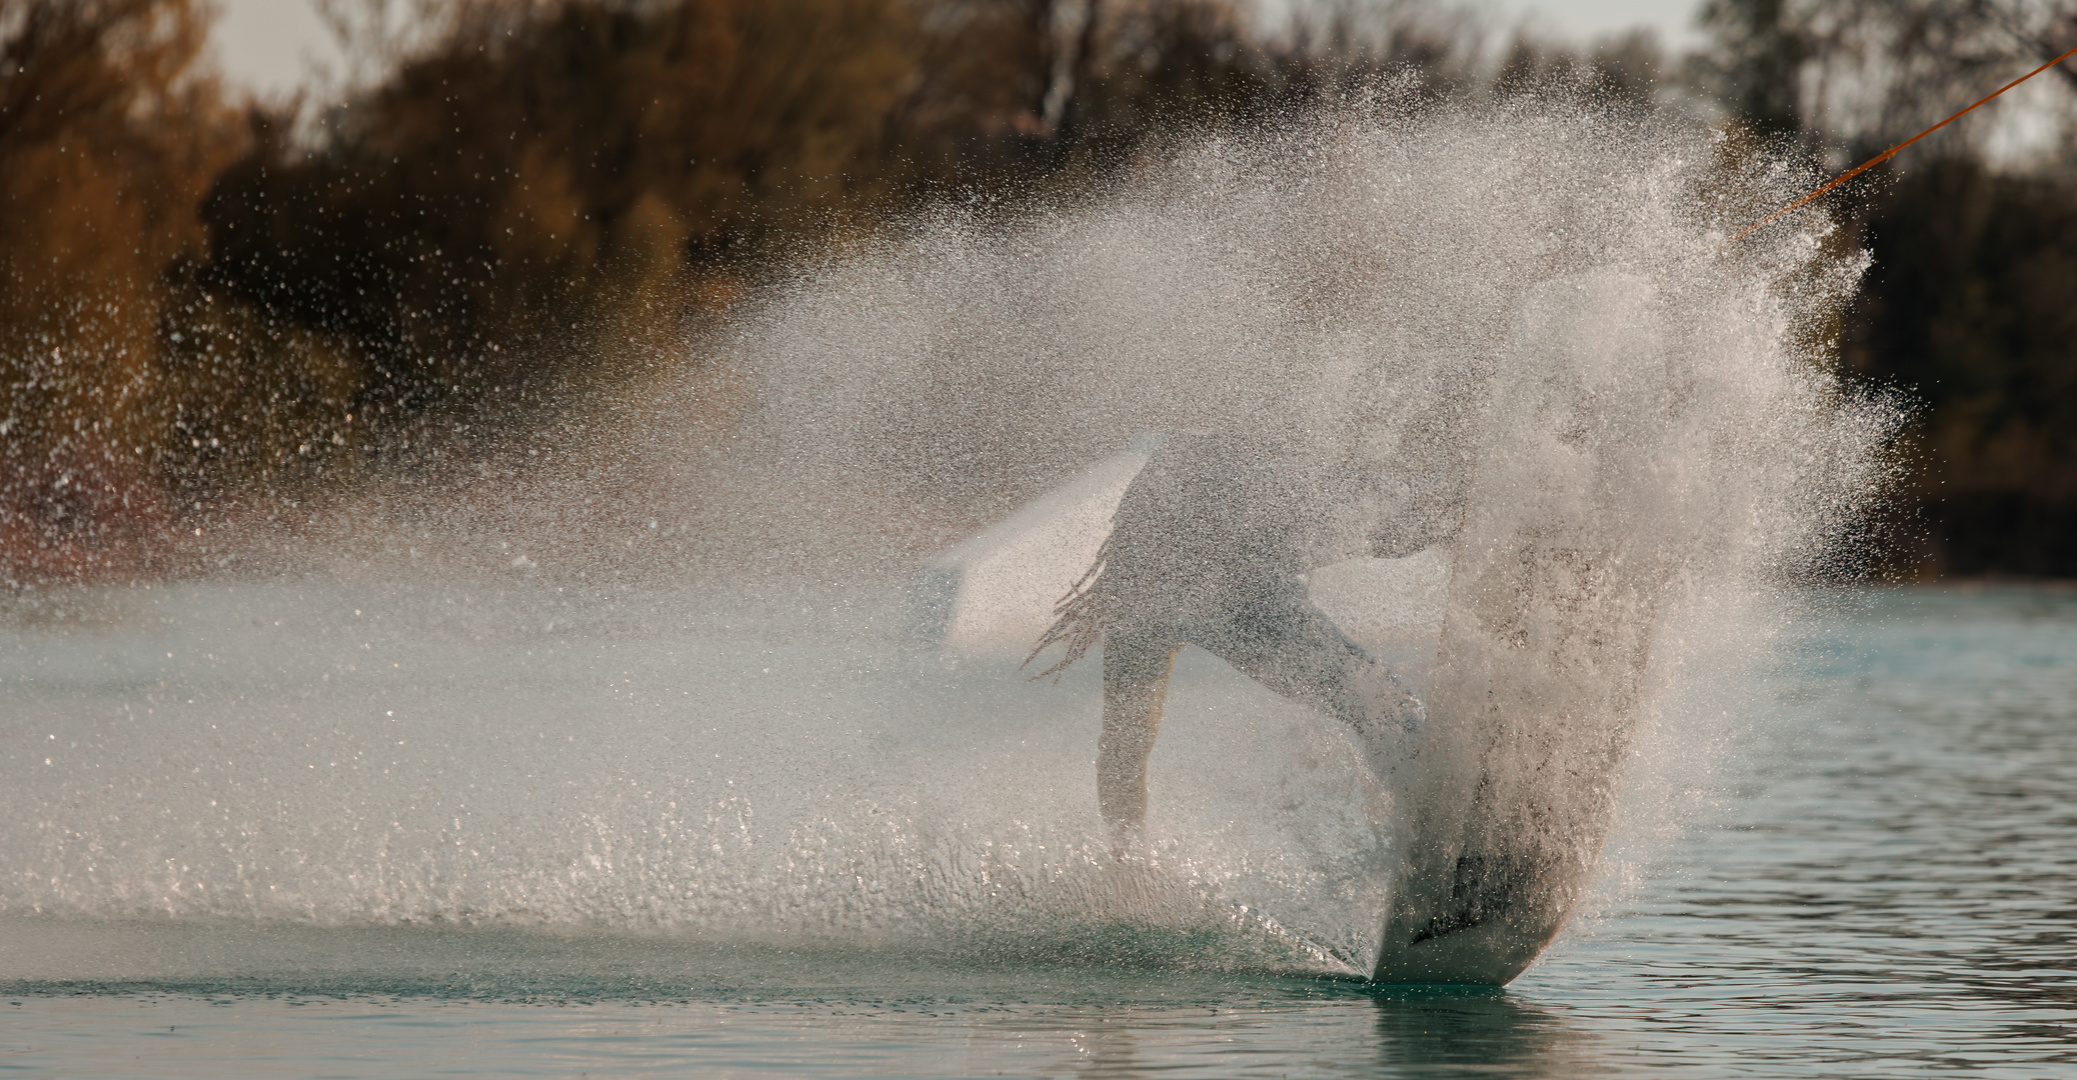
1872 878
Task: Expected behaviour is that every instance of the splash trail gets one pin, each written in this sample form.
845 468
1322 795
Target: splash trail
703 681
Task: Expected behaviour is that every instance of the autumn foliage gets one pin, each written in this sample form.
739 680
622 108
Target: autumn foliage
110 138
546 173
211 310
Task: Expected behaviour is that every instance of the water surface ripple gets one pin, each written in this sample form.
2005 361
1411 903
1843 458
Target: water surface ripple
1877 883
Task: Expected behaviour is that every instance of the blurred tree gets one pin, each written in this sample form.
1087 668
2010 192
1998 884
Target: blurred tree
257 409
1969 304
2046 28
1158 69
1862 75
540 172
110 133
1339 46
1972 306
1755 63
1160 66
1625 68
515 203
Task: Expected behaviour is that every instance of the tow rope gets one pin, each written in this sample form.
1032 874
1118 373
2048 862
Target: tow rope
1892 151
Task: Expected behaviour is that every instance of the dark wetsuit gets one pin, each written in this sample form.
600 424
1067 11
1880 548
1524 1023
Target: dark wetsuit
1209 547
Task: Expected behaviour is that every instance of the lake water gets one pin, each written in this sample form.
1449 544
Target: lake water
1875 878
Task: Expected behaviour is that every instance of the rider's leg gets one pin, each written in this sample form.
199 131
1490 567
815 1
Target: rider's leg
1136 665
1291 647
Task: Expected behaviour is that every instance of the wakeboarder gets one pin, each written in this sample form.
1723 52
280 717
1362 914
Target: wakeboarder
1210 546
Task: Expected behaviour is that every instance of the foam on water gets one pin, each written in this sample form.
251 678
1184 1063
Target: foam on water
721 725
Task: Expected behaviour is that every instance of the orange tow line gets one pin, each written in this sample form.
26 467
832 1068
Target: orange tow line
1892 151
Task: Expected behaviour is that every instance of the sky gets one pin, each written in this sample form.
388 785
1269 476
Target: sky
271 46
1585 20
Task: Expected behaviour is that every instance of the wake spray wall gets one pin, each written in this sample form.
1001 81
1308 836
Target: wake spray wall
1528 313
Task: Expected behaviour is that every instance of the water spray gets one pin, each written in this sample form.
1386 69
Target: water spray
753 746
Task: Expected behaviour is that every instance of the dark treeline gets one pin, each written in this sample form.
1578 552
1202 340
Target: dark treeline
1972 308
211 309
1971 303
